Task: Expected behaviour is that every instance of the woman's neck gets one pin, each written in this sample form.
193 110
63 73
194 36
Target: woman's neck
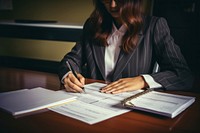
117 22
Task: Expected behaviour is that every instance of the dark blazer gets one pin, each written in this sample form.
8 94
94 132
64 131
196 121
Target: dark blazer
155 45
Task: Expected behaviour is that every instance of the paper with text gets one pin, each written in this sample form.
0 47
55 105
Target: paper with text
94 106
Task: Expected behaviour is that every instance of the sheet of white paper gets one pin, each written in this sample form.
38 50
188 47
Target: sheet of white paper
94 106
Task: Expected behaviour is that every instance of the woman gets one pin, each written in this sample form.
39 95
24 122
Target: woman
121 45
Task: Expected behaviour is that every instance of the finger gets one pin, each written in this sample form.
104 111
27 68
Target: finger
125 87
81 79
68 89
118 91
111 87
74 80
71 84
117 87
75 87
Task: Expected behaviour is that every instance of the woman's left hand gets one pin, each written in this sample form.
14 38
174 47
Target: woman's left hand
125 84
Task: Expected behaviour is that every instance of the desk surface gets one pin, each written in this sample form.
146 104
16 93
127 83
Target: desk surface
48 121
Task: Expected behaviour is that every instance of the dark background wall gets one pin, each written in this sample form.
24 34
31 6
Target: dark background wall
183 17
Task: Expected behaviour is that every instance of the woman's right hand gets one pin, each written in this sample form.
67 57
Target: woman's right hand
72 84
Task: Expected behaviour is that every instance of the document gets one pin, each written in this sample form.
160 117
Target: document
165 104
93 106
28 100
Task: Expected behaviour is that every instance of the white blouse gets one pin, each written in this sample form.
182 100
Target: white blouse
112 52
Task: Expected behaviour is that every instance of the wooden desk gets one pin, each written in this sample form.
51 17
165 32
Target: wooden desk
47 122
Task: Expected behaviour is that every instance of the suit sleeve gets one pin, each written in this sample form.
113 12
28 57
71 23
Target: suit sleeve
75 56
75 59
174 72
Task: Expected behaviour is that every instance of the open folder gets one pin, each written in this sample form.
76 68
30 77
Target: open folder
165 104
28 100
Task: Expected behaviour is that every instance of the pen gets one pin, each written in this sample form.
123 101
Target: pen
73 71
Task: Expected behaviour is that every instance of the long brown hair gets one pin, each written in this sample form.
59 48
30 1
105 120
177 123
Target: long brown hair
131 15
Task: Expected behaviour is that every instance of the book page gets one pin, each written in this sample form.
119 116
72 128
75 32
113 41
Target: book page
163 103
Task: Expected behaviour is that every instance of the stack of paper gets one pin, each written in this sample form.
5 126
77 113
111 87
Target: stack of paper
28 100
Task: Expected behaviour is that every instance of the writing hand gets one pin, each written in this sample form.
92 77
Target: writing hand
72 84
125 84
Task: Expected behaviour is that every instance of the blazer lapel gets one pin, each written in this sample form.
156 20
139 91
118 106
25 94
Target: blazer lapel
124 59
99 54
